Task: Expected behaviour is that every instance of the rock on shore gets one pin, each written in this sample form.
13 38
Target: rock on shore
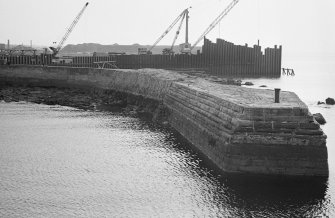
77 98
330 101
319 118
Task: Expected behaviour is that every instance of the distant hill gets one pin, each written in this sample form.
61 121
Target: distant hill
95 47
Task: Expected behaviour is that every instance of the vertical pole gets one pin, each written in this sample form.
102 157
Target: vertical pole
267 62
259 55
273 60
224 53
163 60
205 52
254 60
186 31
277 92
220 44
231 48
245 49
238 63
144 59
250 60
154 63
279 60
117 60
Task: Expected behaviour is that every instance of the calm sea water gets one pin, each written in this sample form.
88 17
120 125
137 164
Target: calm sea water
62 162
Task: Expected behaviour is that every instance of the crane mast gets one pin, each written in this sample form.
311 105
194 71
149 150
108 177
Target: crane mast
69 30
180 16
178 30
216 21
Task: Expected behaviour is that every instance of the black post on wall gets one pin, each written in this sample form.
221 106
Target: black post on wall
277 95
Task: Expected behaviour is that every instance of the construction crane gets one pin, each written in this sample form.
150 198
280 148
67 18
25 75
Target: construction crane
168 51
216 21
178 30
69 30
180 16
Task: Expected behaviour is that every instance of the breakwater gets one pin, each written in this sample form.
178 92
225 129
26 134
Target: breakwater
221 58
239 129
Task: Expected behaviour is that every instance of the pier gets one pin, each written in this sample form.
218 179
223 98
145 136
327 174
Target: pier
239 129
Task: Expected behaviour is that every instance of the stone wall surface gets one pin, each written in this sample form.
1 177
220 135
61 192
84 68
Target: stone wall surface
239 129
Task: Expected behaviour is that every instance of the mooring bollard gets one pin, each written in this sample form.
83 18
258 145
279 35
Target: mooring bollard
277 92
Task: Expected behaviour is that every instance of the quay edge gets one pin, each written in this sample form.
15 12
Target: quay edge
239 129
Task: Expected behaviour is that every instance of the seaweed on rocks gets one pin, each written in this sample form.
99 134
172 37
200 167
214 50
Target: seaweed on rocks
86 99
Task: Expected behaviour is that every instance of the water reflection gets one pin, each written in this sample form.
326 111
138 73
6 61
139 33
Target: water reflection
59 161
250 195
274 196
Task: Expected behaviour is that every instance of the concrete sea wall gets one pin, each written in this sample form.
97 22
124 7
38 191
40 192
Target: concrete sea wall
239 129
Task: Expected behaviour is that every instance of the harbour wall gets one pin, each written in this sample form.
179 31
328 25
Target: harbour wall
221 58
224 57
239 129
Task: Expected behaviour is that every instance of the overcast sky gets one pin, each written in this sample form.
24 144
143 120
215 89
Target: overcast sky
298 25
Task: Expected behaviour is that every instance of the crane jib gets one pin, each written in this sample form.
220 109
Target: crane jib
69 30
216 21
180 16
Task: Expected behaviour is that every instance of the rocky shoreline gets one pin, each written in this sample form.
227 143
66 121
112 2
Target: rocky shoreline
86 99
